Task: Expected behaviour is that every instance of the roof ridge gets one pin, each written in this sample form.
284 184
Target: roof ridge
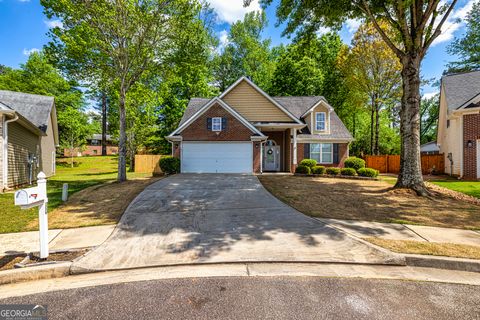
28 94
460 73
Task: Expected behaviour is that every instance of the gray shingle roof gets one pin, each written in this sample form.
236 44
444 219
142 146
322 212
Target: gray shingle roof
35 108
460 88
193 106
296 106
338 131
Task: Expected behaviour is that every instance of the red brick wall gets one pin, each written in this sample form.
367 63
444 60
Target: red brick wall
197 131
342 155
471 131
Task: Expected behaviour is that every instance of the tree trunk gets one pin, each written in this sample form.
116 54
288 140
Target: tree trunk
132 162
377 129
410 175
122 143
371 124
104 124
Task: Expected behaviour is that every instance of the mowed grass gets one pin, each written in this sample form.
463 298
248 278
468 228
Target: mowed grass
371 201
87 172
471 188
428 248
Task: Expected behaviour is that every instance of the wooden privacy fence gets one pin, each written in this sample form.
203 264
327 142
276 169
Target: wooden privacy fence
148 163
391 163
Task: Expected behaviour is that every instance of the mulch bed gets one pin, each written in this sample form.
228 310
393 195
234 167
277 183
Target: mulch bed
17 261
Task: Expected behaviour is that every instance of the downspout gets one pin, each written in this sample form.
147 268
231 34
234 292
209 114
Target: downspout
5 150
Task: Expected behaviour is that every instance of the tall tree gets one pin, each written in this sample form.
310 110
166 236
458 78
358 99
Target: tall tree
374 70
75 130
246 53
416 24
429 118
119 41
467 47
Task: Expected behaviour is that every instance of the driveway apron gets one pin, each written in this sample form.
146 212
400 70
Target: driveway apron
220 218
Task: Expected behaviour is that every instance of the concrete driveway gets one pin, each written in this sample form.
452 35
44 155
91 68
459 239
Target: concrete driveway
215 218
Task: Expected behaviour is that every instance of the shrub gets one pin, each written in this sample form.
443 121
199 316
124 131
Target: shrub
368 172
318 170
333 171
303 169
169 164
355 163
308 163
348 172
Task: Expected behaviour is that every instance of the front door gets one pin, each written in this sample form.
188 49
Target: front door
271 156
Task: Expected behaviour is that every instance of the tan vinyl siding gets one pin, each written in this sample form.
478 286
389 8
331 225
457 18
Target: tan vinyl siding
253 106
48 151
311 123
21 143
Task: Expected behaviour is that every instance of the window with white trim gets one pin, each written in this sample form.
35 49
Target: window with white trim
321 152
320 121
217 124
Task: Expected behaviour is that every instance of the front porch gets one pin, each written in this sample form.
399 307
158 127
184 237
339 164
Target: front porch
279 151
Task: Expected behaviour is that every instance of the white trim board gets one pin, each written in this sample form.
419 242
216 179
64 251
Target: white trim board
262 93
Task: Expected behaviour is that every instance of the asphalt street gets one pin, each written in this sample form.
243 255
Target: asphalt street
263 298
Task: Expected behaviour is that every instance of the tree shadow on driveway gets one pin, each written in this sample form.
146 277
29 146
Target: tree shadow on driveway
215 218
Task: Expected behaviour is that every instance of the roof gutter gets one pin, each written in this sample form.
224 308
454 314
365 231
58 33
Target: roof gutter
5 148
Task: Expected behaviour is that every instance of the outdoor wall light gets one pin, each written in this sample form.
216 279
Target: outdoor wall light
469 143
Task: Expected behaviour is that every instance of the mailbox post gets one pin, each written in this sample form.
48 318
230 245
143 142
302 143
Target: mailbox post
37 197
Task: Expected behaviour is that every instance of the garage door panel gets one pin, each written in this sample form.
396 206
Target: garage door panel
208 157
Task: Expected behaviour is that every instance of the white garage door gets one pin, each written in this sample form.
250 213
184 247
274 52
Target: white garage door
217 157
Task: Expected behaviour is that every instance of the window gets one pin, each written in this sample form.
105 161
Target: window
322 152
320 121
216 124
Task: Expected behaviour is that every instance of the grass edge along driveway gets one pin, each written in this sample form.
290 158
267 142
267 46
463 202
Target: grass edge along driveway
88 172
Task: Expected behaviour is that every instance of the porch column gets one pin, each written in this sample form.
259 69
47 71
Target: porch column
294 146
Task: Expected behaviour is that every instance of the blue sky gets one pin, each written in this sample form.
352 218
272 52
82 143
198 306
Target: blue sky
24 27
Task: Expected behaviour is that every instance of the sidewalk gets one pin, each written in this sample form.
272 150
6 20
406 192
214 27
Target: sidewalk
394 231
25 242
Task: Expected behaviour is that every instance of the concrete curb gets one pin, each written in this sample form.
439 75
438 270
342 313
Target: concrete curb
47 271
458 264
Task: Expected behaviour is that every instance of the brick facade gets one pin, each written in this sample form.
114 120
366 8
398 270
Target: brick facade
471 132
342 155
235 131
91 151
256 156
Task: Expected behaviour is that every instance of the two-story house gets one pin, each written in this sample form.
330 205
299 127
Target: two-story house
458 135
244 130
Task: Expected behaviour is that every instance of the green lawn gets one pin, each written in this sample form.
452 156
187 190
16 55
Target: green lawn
471 188
87 172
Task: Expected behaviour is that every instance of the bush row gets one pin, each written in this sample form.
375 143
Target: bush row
353 166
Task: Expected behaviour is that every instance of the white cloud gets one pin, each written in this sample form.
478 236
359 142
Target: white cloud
353 25
223 36
454 22
323 30
232 10
28 52
53 23
429 95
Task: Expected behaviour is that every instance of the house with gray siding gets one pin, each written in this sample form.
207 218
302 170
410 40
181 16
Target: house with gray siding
29 137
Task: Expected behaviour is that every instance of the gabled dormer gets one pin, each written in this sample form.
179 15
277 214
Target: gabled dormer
318 117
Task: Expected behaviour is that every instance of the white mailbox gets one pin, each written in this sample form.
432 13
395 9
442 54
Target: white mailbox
27 198
37 197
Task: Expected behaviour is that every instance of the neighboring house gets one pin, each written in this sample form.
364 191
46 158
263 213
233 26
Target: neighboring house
244 130
458 134
29 137
94 147
430 148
